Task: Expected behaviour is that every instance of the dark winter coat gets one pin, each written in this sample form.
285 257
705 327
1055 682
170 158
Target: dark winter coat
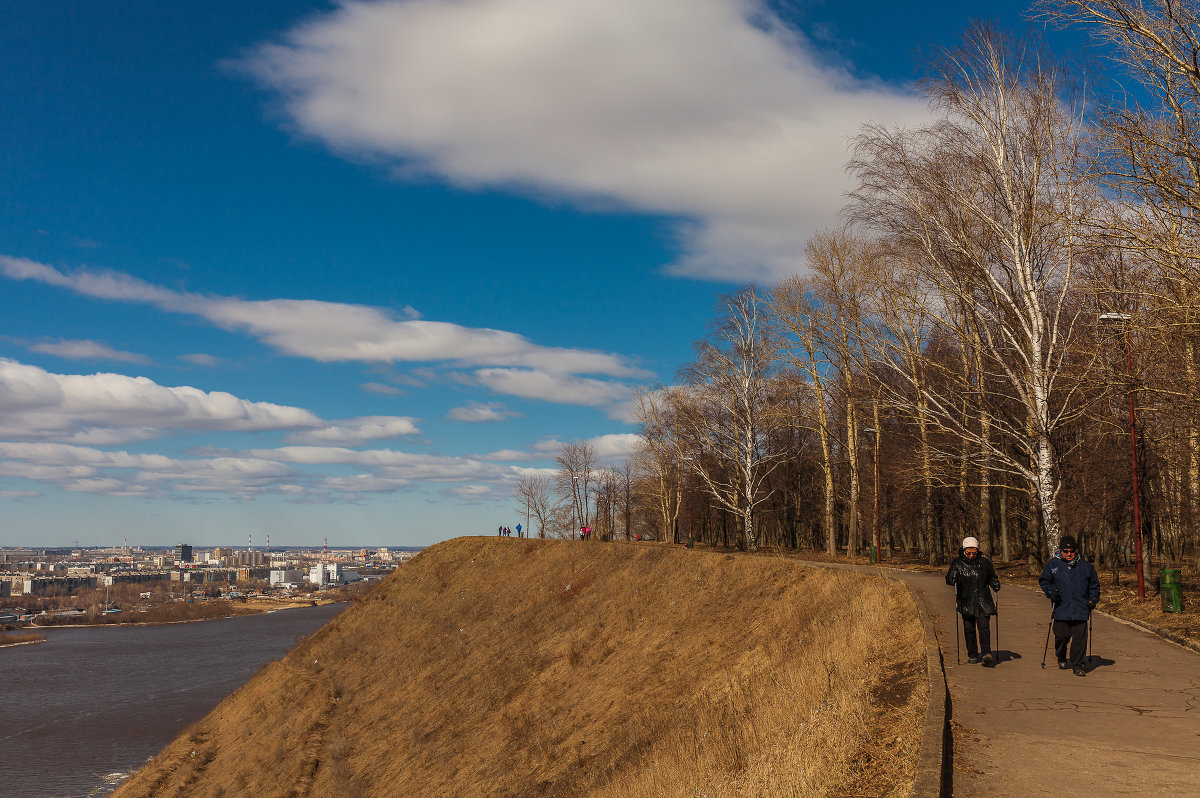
971 579
1077 585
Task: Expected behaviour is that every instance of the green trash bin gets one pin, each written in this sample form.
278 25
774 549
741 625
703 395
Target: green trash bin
873 554
1170 587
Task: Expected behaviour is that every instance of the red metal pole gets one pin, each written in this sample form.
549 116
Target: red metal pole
1137 510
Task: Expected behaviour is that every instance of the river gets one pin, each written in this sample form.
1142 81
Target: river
79 713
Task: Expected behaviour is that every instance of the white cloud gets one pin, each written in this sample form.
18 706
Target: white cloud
109 408
201 359
334 331
473 494
381 389
364 483
390 463
552 387
87 350
545 449
86 469
610 448
509 455
708 110
615 447
481 412
354 431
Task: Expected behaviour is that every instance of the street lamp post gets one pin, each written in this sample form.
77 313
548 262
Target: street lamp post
1124 319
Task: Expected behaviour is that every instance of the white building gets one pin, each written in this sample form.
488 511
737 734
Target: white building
332 573
286 576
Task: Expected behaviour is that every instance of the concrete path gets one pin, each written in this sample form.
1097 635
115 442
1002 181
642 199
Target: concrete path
1130 727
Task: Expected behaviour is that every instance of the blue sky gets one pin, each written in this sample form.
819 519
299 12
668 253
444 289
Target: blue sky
310 269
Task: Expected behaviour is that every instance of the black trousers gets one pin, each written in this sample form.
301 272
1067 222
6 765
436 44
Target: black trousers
1074 633
977 629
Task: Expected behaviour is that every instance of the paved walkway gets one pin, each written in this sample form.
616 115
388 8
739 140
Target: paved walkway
1130 727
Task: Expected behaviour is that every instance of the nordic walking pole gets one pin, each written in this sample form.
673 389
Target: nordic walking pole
997 622
1047 647
957 653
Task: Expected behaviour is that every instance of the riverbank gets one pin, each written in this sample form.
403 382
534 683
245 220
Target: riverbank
20 639
250 607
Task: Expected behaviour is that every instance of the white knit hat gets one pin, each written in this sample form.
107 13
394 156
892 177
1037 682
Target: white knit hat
970 543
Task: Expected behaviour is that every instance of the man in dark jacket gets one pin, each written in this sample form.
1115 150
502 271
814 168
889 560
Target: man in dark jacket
972 574
1071 584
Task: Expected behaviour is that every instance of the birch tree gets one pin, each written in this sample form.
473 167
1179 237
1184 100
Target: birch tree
796 310
726 409
660 458
992 197
1150 157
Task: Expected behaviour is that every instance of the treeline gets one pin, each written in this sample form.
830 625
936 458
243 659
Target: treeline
162 613
959 356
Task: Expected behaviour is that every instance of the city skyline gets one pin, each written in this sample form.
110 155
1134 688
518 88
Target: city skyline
347 270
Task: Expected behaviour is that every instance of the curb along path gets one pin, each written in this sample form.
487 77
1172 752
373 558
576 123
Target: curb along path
1131 727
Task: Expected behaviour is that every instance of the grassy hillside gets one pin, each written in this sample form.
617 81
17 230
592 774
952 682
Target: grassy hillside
503 667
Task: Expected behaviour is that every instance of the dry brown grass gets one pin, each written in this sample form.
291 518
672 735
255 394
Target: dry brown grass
504 668
15 638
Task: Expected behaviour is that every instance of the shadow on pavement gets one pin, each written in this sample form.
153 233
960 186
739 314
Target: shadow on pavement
1096 661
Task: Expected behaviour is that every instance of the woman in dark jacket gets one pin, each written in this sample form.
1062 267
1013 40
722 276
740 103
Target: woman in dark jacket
972 574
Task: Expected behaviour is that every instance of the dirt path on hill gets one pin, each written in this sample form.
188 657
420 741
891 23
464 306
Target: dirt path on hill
1130 727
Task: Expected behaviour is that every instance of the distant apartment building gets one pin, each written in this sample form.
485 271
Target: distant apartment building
183 553
203 575
286 576
133 577
246 573
243 557
325 574
29 584
51 567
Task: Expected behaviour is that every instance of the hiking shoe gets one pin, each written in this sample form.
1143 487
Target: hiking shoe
1079 671
1063 664
973 659
988 660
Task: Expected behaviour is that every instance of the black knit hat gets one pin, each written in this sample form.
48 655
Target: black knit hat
1067 543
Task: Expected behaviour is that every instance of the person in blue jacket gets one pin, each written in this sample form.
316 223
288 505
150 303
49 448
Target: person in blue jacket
1071 584
972 574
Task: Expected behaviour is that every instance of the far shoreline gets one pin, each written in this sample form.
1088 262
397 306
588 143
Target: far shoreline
246 611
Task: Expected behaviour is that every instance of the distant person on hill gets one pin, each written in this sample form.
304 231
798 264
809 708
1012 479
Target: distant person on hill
1071 584
972 574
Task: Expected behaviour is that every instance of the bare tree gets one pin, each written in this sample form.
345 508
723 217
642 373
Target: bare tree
726 410
993 199
576 473
797 309
535 495
1149 156
660 458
